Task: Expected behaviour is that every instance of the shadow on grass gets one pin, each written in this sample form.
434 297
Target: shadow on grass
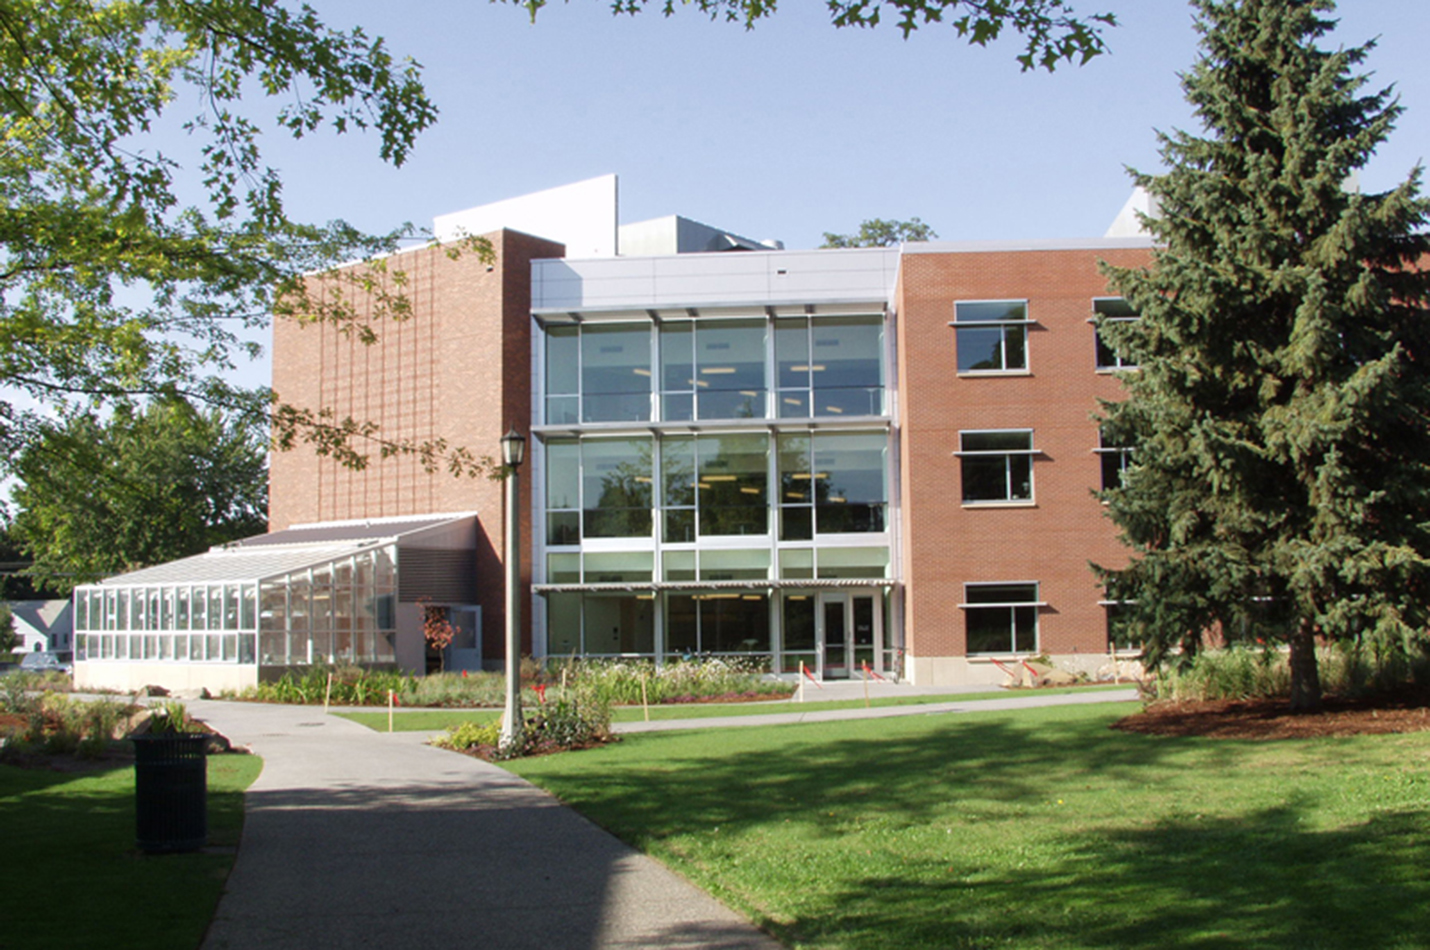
1259 877
1256 882
72 833
691 780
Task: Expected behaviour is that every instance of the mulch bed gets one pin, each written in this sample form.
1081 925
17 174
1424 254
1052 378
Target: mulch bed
1407 711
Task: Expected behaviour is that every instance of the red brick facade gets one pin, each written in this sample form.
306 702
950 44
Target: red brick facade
947 544
459 368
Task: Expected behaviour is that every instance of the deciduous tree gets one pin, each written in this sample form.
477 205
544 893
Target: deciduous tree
1280 485
876 232
125 274
102 496
1053 31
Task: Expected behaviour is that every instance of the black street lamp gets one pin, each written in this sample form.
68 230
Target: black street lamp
513 452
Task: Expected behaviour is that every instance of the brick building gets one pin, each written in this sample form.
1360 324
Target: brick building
827 459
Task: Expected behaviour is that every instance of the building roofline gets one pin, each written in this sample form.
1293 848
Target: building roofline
1033 244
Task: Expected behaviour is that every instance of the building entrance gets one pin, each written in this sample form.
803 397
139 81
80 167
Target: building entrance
849 633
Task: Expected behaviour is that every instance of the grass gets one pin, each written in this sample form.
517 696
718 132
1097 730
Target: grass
72 874
427 720
1035 829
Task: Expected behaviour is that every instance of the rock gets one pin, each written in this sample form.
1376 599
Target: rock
154 691
1057 678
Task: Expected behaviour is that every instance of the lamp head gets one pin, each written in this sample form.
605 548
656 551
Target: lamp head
513 448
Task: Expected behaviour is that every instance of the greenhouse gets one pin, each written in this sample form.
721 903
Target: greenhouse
250 610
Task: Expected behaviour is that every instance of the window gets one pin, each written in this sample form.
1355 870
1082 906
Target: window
832 483
1001 618
991 336
712 369
1120 636
997 465
715 485
1111 310
598 373
1115 459
830 366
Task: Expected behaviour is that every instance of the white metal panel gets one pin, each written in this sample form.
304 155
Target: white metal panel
581 215
728 279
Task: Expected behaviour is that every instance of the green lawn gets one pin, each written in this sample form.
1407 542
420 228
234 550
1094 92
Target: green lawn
426 720
1038 829
72 876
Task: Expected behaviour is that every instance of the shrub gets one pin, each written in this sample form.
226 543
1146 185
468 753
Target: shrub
455 689
469 735
1244 673
618 682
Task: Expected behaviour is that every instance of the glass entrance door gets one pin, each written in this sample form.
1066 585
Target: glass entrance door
849 627
834 632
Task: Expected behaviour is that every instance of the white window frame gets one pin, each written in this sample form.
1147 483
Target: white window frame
1097 320
1004 369
1037 604
1007 455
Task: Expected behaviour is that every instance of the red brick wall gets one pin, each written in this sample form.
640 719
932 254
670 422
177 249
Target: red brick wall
946 544
459 368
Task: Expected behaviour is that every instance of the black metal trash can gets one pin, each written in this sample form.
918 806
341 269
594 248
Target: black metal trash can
171 806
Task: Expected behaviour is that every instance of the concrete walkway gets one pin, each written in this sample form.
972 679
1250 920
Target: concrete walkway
354 838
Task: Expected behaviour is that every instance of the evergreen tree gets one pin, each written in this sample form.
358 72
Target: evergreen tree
1280 485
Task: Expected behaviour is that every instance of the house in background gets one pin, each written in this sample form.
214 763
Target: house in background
43 625
834 459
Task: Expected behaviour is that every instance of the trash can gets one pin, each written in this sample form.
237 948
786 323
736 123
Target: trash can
171 807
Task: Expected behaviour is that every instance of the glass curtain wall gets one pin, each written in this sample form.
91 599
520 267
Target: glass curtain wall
729 508
714 369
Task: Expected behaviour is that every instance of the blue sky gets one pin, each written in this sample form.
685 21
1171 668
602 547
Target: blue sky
793 128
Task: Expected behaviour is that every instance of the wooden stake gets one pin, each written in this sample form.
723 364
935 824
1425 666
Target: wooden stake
866 686
391 699
328 693
645 702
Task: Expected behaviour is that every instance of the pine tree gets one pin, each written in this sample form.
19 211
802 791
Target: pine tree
1280 485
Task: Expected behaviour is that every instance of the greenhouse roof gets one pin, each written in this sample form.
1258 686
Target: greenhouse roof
280 552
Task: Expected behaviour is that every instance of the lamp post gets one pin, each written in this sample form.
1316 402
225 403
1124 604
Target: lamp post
513 451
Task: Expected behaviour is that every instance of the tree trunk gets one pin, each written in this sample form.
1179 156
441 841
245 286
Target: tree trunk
1305 674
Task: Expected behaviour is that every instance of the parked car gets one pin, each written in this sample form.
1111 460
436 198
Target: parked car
45 661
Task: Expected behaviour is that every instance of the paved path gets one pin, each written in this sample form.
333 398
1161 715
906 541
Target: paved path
359 839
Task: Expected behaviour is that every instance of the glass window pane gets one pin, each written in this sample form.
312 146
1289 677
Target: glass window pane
679 565
563 568
980 348
987 310
799 622
613 567
853 562
792 353
732 484
681 629
619 623
752 564
996 441
562 360
797 563
563 624
616 475
730 369
735 623
563 474
615 373
677 360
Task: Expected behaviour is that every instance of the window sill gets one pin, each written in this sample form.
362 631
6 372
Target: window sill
985 373
1114 370
1000 504
998 657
